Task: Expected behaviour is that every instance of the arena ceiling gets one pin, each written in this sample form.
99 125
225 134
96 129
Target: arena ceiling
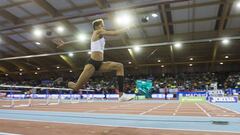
175 21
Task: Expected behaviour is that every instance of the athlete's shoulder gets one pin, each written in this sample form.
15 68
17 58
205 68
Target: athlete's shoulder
100 31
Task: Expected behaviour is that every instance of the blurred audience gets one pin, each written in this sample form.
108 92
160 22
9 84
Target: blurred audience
161 83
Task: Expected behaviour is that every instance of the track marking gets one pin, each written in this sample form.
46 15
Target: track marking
154 108
4 133
203 110
225 115
225 108
176 110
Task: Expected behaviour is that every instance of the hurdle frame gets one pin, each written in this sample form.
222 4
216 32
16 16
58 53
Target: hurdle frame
31 96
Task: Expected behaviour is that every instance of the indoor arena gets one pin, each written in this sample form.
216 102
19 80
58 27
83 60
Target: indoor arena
119 67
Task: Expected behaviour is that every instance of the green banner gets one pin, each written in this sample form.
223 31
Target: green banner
139 97
143 87
192 99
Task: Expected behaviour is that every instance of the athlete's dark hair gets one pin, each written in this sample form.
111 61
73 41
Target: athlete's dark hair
96 23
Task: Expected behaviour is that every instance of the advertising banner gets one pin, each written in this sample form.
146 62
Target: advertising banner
193 99
191 94
223 99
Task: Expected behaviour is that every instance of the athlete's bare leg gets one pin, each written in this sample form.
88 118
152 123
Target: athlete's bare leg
118 67
83 78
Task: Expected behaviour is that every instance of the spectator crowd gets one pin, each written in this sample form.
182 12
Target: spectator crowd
181 82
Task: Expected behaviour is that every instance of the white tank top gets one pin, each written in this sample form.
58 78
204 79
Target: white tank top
98 46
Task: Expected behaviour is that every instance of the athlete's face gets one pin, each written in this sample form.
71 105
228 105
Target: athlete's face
101 26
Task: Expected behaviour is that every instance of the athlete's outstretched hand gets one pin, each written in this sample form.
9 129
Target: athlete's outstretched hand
59 42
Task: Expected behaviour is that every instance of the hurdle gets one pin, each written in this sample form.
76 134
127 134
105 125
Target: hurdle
72 97
12 102
47 96
31 96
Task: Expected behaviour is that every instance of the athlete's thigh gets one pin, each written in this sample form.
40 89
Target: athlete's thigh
109 66
89 68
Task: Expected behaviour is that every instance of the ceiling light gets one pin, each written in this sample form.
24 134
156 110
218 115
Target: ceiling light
38 68
226 57
6 74
238 4
124 19
154 15
82 37
70 71
37 33
190 58
129 62
89 52
70 54
190 65
136 48
221 63
58 67
20 73
225 41
178 45
162 66
159 61
35 73
37 43
145 19
60 29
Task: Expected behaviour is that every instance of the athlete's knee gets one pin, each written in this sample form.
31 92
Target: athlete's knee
119 66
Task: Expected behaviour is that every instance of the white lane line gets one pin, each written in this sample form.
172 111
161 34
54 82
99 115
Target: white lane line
225 108
4 133
203 110
176 110
225 115
154 108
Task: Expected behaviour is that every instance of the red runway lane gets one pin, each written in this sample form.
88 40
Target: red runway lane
42 128
140 108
